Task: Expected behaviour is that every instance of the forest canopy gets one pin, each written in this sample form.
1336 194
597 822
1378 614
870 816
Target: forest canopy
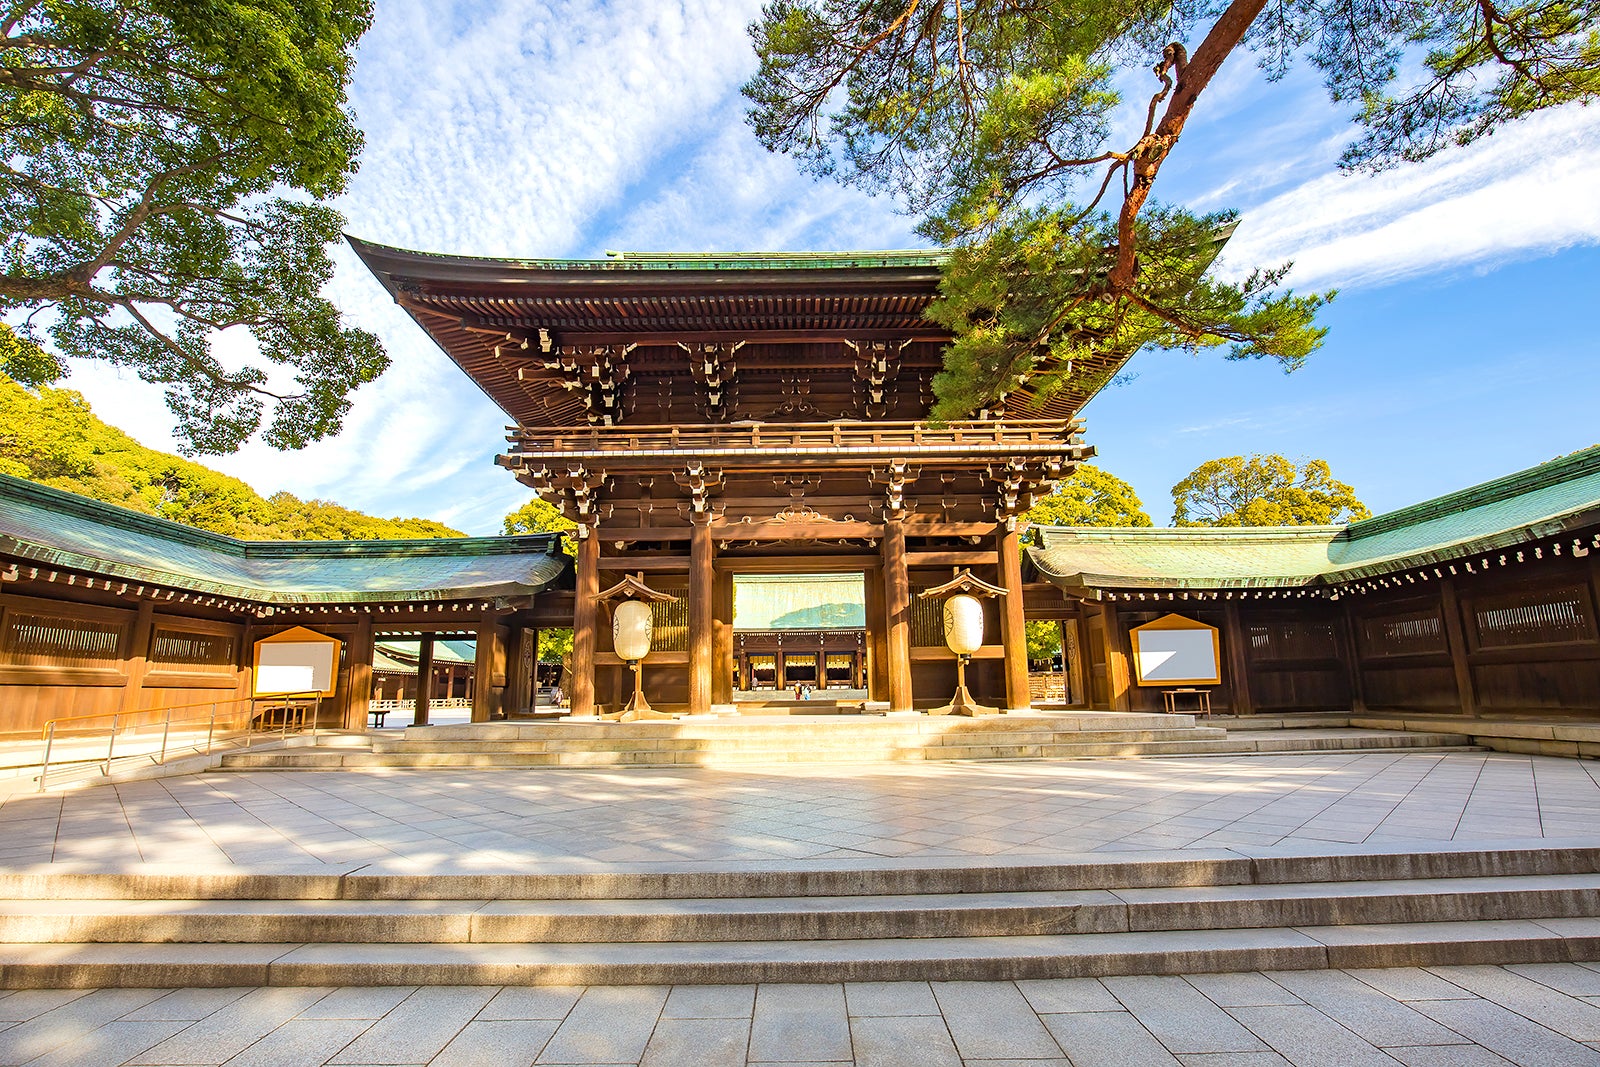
50 436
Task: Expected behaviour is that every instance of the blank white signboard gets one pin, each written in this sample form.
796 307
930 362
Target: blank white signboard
295 667
1175 655
284 678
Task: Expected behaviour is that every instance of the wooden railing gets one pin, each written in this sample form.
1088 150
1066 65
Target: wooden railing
445 703
790 437
291 712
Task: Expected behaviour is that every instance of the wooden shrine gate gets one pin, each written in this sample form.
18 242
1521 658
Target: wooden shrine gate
698 416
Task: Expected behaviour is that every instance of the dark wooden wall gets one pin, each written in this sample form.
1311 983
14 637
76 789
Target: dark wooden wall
1507 642
66 656
1522 640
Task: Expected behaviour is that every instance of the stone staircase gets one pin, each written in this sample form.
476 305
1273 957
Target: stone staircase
1089 915
742 740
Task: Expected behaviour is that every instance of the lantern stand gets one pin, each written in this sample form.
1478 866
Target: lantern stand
631 631
963 633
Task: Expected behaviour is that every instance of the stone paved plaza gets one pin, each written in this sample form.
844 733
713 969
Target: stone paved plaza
495 819
1536 1015
459 820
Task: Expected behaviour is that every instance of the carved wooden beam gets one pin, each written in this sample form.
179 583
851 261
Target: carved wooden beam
701 483
574 490
1019 482
895 478
877 365
596 373
713 367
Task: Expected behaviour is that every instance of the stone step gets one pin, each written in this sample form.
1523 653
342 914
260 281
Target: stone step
80 965
807 918
312 760
1305 740
801 921
1186 869
690 727
820 741
630 752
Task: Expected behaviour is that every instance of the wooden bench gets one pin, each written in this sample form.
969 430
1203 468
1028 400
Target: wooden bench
1202 700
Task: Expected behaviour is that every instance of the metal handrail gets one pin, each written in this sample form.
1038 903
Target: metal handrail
288 700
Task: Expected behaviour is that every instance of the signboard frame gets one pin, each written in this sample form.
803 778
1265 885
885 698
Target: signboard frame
293 651
1175 637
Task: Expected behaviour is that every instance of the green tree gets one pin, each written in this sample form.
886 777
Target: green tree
164 167
993 120
555 645
1090 496
1044 640
540 516
1264 491
52 437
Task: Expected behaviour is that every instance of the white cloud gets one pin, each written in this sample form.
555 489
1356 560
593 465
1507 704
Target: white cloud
1529 189
570 126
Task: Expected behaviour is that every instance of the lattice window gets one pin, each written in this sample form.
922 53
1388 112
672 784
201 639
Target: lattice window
1534 617
1404 633
187 650
32 640
927 620
1282 639
671 622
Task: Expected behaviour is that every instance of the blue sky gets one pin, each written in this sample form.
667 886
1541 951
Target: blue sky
1462 343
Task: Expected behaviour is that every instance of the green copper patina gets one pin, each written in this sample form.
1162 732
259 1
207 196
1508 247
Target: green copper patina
1530 505
62 530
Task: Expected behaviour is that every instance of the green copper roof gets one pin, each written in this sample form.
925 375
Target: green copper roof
70 532
932 257
683 261
1537 503
1186 558
401 656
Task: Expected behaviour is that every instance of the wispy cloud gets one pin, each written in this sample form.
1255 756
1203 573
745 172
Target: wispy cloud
1529 189
567 127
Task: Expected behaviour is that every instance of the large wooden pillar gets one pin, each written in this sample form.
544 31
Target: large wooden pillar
1455 633
1352 655
138 656
359 699
585 617
1075 661
897 614
876 652
702 609
1119 664
424 680
1013 624
528 671
1238 660
489 669
722 684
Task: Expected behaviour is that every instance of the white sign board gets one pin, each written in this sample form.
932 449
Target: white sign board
295 667
1168 656
273 679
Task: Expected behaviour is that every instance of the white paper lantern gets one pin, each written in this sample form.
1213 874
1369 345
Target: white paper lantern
963 624
630 629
